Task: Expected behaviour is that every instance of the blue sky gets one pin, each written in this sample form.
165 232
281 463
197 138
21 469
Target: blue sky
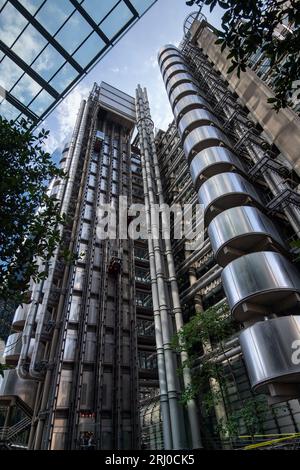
133 60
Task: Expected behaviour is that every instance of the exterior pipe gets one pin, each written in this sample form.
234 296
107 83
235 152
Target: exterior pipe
164 400
31 317
191 405
65 205
178 434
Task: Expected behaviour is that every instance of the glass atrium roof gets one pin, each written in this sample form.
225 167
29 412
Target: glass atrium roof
46 46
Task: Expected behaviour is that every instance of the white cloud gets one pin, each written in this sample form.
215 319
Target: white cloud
65 117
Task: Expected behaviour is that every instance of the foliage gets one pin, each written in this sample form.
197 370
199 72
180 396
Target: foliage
251 415
249 26
214 322
29 217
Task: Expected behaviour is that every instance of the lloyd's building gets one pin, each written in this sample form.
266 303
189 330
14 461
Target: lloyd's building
92 357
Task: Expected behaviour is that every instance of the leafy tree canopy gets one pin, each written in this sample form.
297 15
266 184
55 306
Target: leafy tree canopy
29 217
252 25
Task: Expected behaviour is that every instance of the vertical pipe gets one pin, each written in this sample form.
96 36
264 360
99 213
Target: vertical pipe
178 432
191 405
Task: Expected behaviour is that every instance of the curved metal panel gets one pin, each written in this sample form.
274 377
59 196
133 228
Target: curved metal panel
169 55
259 284
241 230
172 60
181 91
210 162
174 70
269 349
203 137
20 317
12 385
187 103
177 80
13 348
195 118
164 50
226 190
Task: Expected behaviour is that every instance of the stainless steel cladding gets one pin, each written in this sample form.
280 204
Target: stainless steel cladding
177 80
170 62
201 138
196 118
174 70
260 284
60 429
187 103
64 389
169 55
226 190
241 230
12 386
212 161
165 50
270 352
13 348
181 91
20 317
70 347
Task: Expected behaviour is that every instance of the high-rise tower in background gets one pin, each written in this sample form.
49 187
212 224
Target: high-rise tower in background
92 355
75 345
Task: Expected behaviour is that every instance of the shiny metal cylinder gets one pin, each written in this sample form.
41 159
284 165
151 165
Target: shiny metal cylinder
201 138
174 59
165 51
212 161
271 357
261 284
177 80
182 90
241 230
175 70
196 118
187 103
224 191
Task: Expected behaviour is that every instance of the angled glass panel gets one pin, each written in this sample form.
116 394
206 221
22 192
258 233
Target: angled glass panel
2 3
41 102
48 62
54 13
32 5
29 44
23 116
116 20
26 89
142 5
92 46
11 24
64 77
9 73
8 111
97 10
73 32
